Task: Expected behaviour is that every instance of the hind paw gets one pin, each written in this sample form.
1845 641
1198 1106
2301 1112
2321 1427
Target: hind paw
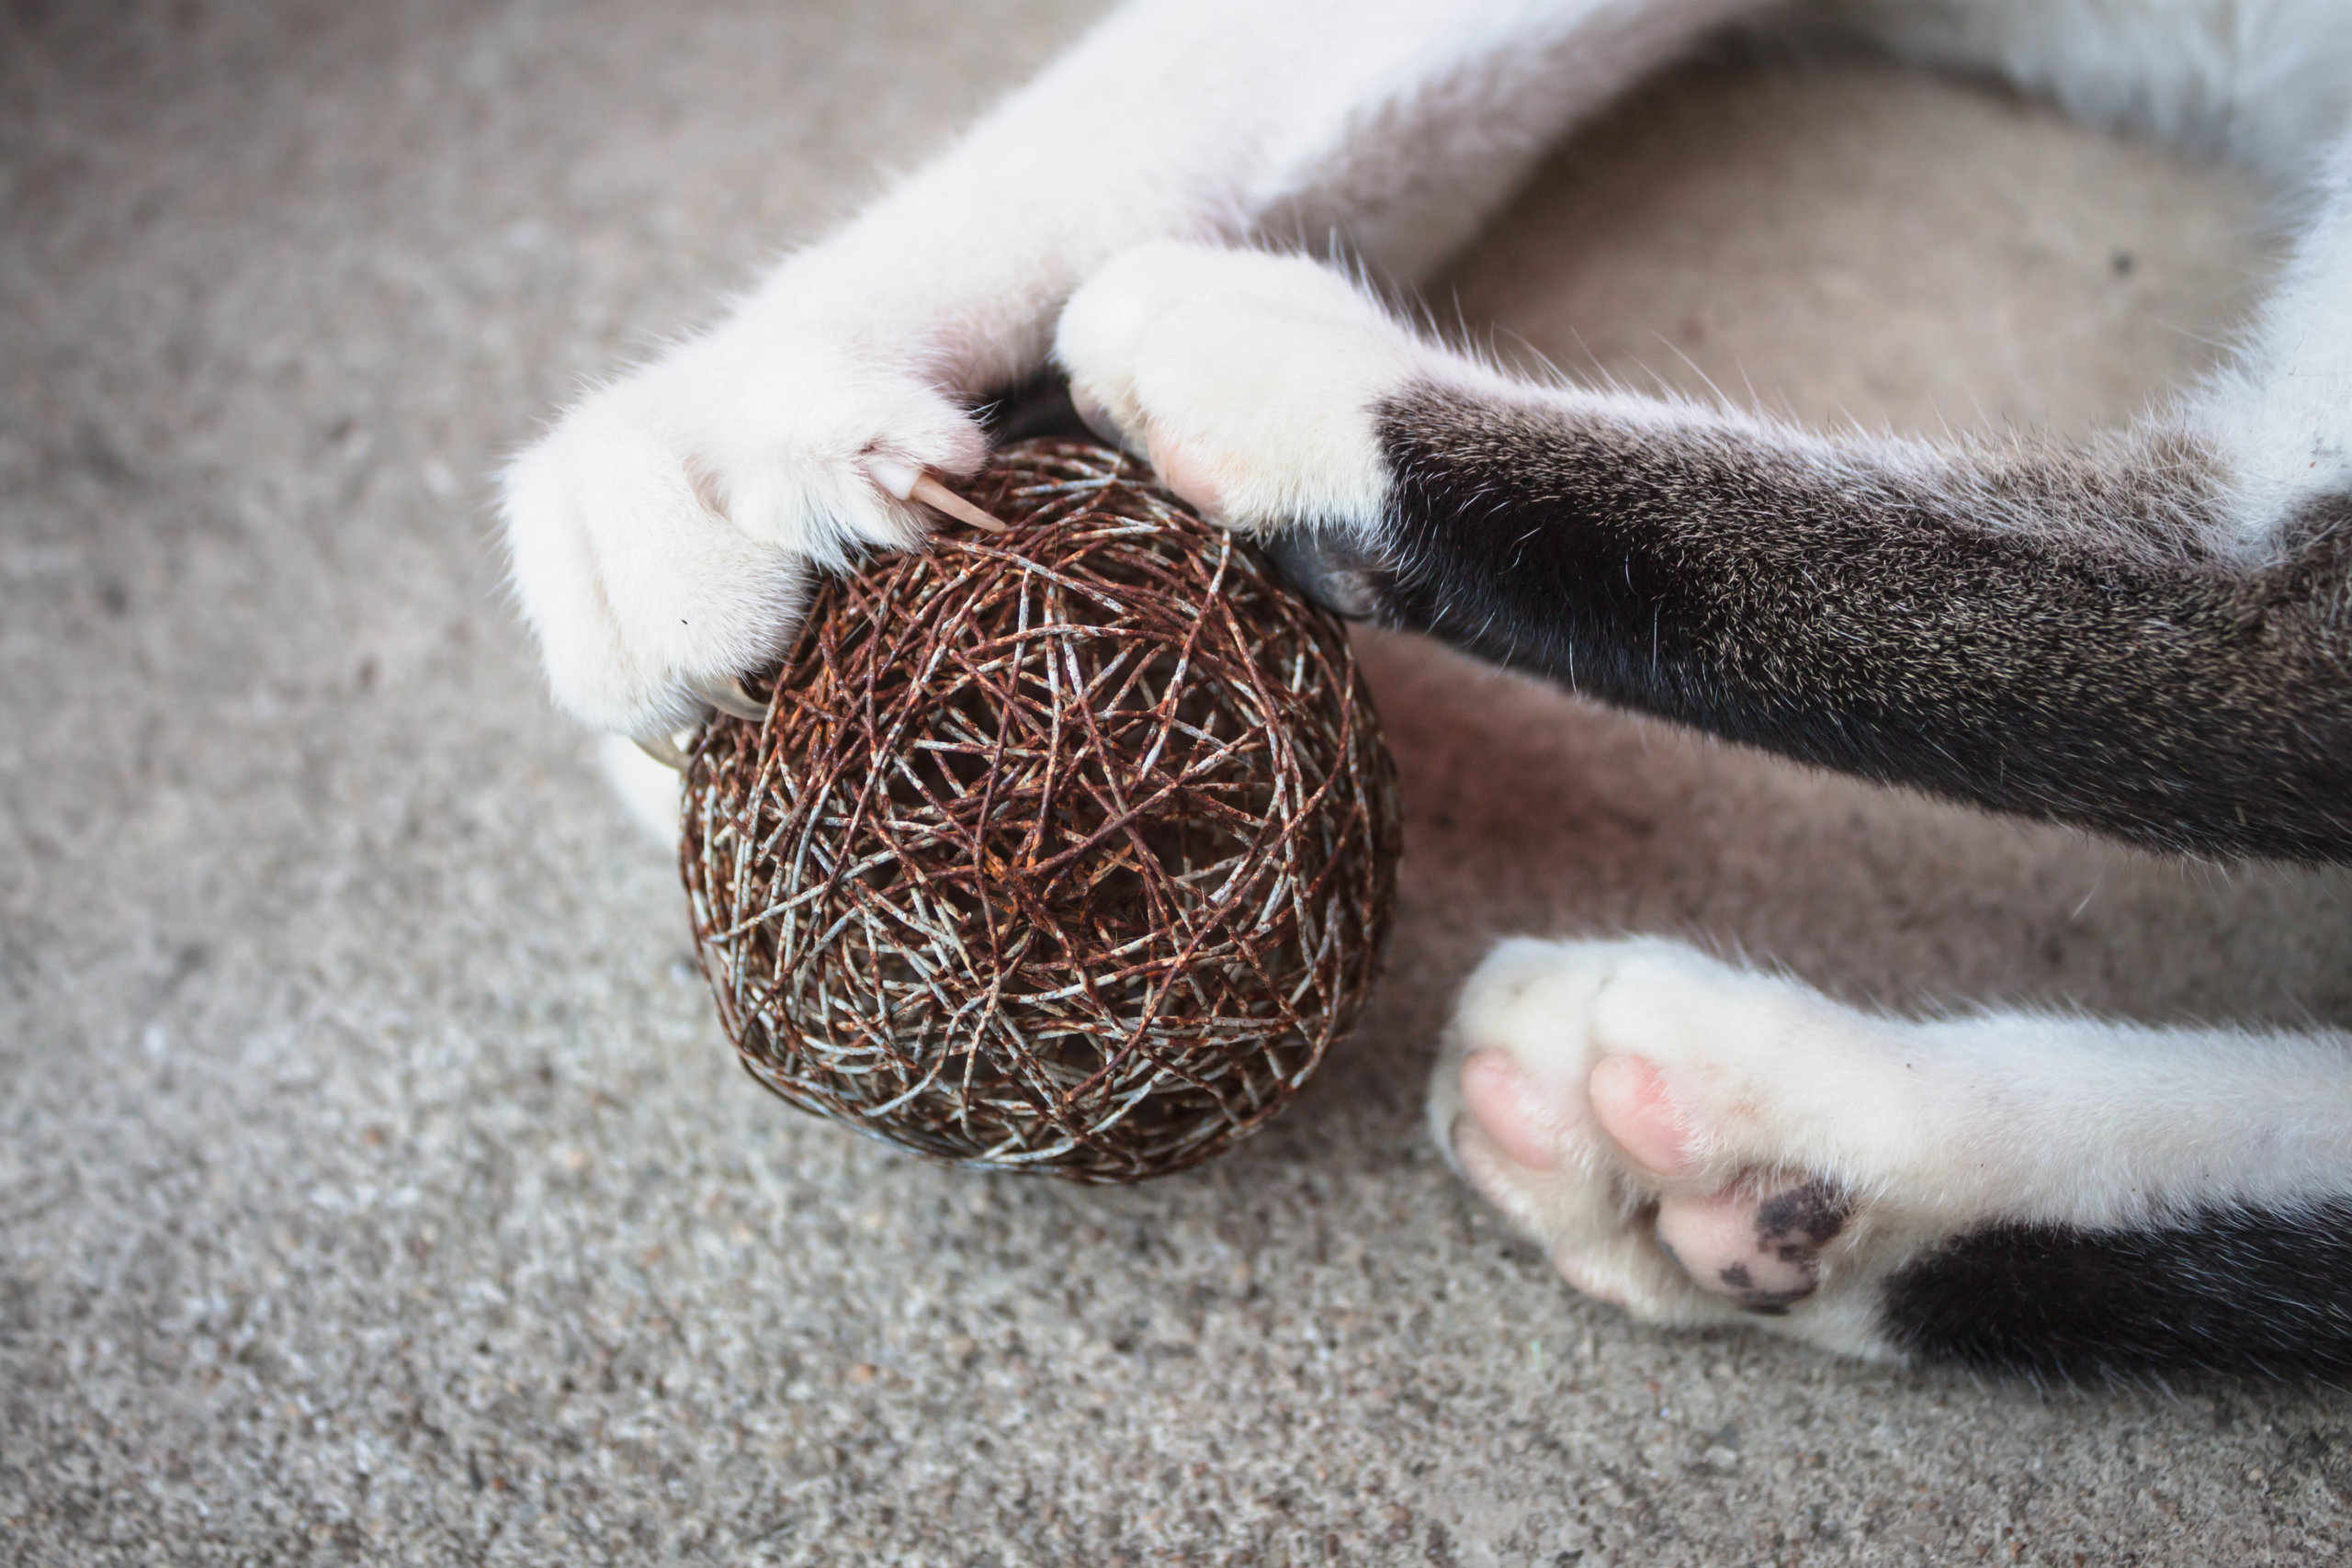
1676 1133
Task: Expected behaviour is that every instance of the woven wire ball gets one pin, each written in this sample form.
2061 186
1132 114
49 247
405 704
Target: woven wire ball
1069 848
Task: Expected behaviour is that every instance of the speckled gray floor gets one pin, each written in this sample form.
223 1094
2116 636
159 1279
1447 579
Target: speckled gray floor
373 1182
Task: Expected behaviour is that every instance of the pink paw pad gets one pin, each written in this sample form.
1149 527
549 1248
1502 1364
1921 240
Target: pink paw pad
1757 1244
1531 1126
1760 1249
1630 1101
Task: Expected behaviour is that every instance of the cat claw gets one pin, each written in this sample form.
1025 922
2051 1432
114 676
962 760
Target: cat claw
726 694
1331 568
1097 418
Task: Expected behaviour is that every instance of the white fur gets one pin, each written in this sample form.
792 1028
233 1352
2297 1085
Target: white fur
1937 1127
662 534
1250 379
2283 413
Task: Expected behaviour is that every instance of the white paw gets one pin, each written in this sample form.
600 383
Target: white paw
662 534
1250 379
1674 1132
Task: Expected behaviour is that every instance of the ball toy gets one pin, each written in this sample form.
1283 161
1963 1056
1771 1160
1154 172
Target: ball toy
1067 848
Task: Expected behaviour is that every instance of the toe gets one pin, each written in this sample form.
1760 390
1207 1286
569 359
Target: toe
1188 476
1531 1127
1492 1171
1630 1101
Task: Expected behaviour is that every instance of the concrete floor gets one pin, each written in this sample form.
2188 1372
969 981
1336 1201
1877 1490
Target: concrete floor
374 1184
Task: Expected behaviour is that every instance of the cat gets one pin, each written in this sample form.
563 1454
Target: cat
2146 637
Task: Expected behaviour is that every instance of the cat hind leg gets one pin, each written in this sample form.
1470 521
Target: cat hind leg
1615 1100
1702 1144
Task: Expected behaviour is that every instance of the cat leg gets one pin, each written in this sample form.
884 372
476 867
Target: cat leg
1704 1145
2140 635
2106 637
662 534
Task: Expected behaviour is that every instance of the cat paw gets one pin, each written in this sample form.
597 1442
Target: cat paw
1673 1132
662 534
1250 381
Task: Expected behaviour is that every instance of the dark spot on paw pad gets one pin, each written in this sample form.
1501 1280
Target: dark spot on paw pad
1791 1224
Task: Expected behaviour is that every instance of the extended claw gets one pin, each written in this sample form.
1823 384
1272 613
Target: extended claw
727 694
920 484
939 498
664 750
